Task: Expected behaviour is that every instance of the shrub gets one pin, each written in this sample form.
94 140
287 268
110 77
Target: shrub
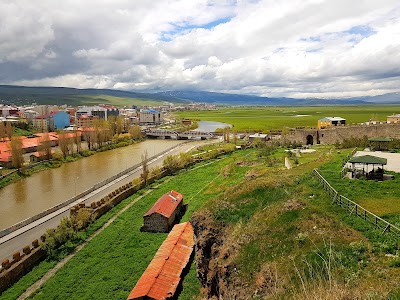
171 163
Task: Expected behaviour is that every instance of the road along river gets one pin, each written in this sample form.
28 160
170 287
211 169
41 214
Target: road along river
16 240
36 193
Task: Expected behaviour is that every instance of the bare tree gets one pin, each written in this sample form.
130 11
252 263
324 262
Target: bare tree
135 132
16 152
119 124
64 142
9 130
88 136
234 136
3 132
44 148
78 141
145 167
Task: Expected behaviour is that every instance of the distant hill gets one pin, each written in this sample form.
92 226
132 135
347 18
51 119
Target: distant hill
237 99
59 95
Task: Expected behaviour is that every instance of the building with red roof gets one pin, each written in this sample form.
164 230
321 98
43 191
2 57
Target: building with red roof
164 273
162 216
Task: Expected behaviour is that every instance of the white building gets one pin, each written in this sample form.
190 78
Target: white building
150 116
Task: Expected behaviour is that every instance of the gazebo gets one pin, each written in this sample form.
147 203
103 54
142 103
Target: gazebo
379 143
365 161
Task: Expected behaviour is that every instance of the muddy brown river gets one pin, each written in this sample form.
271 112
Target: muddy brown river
36 193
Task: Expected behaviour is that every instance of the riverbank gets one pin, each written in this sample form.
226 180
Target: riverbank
15 175
64 250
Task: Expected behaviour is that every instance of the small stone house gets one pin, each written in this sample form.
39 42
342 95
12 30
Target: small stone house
167 211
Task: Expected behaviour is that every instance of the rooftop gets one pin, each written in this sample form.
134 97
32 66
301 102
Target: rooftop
163 274
380 139
368 160
166 204
332 119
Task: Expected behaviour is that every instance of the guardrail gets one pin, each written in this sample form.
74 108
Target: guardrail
53 209
354 208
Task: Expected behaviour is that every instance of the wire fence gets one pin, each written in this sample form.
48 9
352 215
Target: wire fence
354 208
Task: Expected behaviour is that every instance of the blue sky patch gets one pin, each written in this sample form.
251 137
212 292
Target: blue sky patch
186 27
363 30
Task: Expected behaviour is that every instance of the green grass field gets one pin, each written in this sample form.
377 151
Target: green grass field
109 266
272 118
274 223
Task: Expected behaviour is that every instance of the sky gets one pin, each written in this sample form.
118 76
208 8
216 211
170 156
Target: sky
272 48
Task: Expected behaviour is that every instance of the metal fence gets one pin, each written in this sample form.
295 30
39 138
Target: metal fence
354 208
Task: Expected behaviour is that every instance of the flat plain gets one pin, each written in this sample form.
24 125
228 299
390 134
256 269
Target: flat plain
277 118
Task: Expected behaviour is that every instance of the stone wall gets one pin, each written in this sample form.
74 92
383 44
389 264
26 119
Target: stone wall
156 223
20 265
339 133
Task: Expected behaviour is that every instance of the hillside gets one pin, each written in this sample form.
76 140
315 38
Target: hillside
59 95
71 96
262 232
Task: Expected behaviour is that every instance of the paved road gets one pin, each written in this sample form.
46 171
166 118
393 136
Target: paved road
18 239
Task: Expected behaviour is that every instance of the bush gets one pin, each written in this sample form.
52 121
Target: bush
171 163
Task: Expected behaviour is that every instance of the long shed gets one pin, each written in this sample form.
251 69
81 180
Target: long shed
164 273
162 216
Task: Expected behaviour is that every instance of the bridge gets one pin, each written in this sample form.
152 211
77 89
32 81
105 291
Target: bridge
188 135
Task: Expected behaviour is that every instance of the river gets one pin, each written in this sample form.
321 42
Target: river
210 126
36 193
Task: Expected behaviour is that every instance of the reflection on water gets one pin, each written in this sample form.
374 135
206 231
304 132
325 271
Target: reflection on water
36 193
209 126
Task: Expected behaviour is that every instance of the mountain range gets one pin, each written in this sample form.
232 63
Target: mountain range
72 96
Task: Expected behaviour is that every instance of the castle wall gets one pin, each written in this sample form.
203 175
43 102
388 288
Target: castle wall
339 133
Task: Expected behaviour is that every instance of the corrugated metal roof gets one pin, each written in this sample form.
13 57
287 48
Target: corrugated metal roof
163 274
332 119
166 205
380 139
368 159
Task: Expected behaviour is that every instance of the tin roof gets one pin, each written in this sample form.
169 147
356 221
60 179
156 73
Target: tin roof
332 119
368 160
166 205
380 139
163 274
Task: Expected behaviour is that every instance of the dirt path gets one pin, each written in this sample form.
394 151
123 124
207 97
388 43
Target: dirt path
51 272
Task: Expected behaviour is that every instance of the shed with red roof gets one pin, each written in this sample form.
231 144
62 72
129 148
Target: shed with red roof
164 213
165 271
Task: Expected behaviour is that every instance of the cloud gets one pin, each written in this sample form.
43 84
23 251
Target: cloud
313 48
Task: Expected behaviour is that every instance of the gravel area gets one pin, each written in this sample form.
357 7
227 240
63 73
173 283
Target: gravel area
393 159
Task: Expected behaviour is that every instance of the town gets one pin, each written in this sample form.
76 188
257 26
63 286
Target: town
187 150
50 126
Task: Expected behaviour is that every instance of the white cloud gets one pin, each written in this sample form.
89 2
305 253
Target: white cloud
319 48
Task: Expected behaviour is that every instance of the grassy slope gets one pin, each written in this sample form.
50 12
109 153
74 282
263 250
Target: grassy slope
75 100
381 198
280 226
277 221
112 263
266 118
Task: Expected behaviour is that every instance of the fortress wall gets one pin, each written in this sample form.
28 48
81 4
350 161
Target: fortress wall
338 134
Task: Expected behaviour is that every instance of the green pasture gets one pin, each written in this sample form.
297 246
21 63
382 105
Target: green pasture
276 118
381 198
266 214
110 265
